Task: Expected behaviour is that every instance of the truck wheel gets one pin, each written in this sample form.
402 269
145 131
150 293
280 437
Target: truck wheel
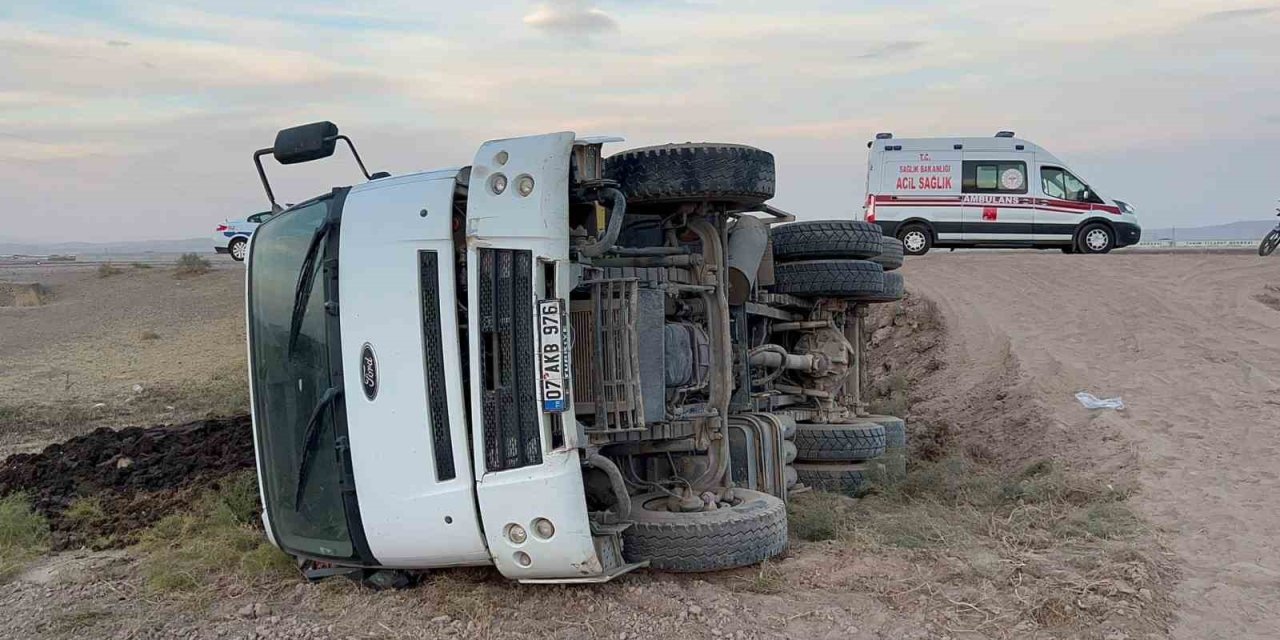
890 257
893 290
916 239
751 531
1096 238
839 442
895 430
850 479
818 239
725 173
829 278
239 249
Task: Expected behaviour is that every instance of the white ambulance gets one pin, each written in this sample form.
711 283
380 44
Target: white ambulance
988 192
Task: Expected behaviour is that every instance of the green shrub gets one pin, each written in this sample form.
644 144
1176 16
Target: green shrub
190 264
214 541
24 534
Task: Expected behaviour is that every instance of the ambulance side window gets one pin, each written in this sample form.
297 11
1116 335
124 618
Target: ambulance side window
1051 177
1060 183
991 176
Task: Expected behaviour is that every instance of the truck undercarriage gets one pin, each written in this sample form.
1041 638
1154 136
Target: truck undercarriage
562 364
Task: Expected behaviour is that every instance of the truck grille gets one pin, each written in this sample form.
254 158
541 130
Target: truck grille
433 355
509 395
606 360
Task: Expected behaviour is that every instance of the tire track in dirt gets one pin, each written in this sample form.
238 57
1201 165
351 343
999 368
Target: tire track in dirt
1197 358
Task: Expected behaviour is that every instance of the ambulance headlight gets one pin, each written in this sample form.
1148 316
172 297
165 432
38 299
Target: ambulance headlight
1124 206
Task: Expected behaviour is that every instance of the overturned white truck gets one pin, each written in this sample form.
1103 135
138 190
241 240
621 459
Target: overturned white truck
558 363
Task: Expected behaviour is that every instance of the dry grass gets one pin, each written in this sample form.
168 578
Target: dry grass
215 542
190 264
107 270
1042 547
24 535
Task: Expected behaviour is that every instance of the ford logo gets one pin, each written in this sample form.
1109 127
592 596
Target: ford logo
368 372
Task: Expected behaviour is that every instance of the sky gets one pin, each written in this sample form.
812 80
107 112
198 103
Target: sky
134 119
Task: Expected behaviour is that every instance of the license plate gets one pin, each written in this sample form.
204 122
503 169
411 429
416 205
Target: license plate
553 362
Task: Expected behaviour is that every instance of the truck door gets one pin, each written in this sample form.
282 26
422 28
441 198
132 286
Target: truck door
528 469
403 373
996 206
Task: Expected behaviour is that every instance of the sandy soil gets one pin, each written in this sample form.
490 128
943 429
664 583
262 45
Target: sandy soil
1184 339
125 349
1192 346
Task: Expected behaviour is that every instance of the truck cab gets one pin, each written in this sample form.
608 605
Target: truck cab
564 365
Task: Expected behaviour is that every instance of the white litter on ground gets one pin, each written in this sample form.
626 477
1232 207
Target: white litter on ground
1091 401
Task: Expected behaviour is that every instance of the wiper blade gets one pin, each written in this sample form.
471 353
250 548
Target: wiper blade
302 292
309 441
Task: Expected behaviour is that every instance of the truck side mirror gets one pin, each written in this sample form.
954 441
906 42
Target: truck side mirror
305 143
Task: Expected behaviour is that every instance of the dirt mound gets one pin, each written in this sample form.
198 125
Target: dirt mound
23 294
102 488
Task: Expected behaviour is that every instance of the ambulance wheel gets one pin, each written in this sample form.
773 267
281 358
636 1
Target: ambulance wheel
916 239
1096 238
239 249
890 253
750 531
829 278
720 173
819 239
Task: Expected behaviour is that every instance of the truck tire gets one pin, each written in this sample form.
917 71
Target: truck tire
749 532
705 171
890 257
895 430
829 278
850 479
819 239
916 239
839 442
893 290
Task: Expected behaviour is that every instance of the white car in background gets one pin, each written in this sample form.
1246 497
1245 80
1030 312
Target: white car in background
232 236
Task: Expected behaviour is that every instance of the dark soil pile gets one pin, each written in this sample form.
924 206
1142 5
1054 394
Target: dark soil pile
121 482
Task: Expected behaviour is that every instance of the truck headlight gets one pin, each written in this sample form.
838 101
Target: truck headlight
543 528
516 533
498 184
524 185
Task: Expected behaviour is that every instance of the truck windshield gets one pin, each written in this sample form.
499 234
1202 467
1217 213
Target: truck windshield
306 510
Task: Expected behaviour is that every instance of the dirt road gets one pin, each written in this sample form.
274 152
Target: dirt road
1192 344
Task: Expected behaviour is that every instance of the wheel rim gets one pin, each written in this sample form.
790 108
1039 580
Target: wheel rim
914 241
1097 240
238 250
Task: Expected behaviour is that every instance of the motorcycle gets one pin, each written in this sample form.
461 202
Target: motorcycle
1271 241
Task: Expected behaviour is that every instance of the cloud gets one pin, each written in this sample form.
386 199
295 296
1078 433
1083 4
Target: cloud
570 17
1236 14
890 49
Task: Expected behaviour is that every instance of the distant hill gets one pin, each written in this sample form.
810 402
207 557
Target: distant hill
128 247
1243 230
